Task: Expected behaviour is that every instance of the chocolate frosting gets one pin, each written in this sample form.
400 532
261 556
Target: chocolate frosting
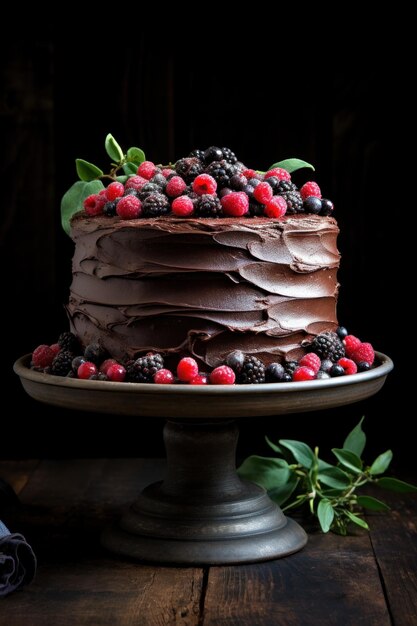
204 287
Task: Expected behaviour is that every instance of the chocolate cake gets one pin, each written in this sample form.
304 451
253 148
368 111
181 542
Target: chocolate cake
203 287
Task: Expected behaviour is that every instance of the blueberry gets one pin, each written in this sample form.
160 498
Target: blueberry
238 182
213 154
326 207
312 205
274 373
77 362
326 365
337 370
235 360
342 332
322 375
95 353
287 378
363 366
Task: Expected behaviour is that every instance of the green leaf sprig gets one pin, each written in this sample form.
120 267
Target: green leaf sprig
299 477
123 166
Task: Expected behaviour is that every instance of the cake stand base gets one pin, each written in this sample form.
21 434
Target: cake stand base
202 513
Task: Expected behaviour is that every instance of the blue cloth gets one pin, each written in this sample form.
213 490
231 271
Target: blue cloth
17 561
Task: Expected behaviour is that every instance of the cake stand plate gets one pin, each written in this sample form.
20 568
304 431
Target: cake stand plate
202 512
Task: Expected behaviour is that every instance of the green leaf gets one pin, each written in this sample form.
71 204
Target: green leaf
274 447
281 494
357 520
72 201
122 179
136 155
325 513
393 484
302 453
87 171
381 463
348 459
334 477
368 502
113 149
291 165
264 471
333 493
130 169
356 440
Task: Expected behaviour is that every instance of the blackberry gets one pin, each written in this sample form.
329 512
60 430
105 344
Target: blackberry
197 154
328 346
283 185
147 190
290 367
189 168
69 342
143 369
131 192
229 156
213 154
208 206
252 372
255 209
109 208
155 204
62 363
95 353
294 202
222 172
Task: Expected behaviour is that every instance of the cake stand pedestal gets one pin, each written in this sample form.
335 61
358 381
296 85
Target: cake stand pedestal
202 512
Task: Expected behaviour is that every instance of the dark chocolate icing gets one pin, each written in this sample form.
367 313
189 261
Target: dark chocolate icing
204 287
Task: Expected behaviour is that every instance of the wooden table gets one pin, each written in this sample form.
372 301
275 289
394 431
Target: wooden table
363 579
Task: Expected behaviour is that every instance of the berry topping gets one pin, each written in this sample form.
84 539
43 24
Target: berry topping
55 347
263 193
276 207
294 202
342 332
312 205
213 154
310 189
86 370
336 370
348 365
279 173
229 156
364 352
136 182
129 207
43 356
327 207
208 206
163 377
182 206
189 168
147 170
312 361
204 184
363 366
116 373
235 204
236 360
303 373
176 186
155 204
94 204
223 375
115 190
187 369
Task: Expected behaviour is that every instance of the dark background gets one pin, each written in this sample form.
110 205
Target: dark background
59 103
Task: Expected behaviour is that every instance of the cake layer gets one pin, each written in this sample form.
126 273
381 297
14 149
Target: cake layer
204 287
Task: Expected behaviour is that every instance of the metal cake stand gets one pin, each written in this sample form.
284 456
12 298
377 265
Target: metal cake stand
202 512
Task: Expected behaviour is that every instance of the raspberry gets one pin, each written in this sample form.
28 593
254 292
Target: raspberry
129 208
328 346
167 172
312 361
155 204
279 173
351 343
187 369
223 375
348 365
106 364
364 352
200 379
147 169
43 356
235 204
136 183
252 174
144 368
208 206
163 377
175 186
93 205
116 373
303 373
252 372
263 193
275 207
189 169
86 370
204 184
55 347
310 189
62 363
182 206
115 190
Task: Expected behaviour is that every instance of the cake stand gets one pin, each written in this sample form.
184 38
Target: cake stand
202 512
